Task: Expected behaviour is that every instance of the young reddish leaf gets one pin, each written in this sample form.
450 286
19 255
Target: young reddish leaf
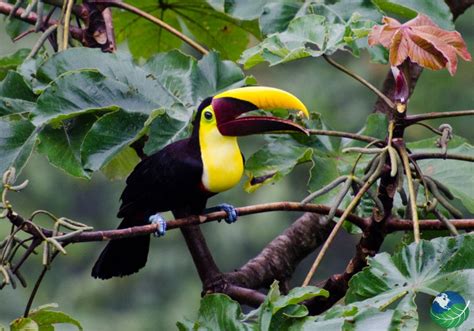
422 41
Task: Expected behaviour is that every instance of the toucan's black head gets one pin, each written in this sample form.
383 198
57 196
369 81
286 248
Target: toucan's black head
225 111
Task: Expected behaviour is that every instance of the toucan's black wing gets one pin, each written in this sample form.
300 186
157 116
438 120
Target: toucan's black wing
167 180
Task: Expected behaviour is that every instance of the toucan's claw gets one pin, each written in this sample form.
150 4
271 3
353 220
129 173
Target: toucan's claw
157 219
230 210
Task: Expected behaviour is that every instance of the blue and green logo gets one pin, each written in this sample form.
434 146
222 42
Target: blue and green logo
449 309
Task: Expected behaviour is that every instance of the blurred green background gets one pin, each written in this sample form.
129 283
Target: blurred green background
168 289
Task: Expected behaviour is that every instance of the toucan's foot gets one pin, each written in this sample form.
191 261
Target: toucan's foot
157 219
229 210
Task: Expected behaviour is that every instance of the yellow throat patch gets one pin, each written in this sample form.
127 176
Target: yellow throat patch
223 165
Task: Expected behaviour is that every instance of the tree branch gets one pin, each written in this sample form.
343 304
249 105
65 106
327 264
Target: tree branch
186 221
31 18
349 135
423 156
409 120
280 257
364 82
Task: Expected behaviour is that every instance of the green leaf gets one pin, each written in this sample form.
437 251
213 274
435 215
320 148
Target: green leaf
17 140
297 295
430 267
24 324
376 126
62 144
459 182
277 15
12 61
274 161
121 165
46 318
219 312
158 98
16 95
243 9
108 136
437 10
86 91
297 30
207 26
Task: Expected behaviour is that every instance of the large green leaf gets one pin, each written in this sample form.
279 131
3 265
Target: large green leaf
430 267
17 140
278 312
127 101
109 135
47 318
455 174
438 10
211 28
218 312
242 9
62 144
16 96
313 28
393 281
11 61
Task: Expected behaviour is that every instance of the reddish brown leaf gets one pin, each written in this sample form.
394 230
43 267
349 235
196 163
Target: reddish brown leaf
422 41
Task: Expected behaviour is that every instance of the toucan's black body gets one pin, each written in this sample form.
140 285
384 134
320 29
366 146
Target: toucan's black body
167 180
183 175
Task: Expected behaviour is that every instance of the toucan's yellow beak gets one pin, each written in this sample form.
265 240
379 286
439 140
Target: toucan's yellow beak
231 104
266 98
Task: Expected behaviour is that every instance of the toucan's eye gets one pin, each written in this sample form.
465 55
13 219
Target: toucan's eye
208 115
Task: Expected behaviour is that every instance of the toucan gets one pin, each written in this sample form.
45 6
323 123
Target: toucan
184 174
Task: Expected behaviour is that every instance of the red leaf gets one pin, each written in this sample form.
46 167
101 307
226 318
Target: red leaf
422 41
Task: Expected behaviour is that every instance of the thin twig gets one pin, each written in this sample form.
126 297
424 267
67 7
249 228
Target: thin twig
349 135
429 127
409 120
41 41
446 222
36 287
460 157
361 80
67 19
338 225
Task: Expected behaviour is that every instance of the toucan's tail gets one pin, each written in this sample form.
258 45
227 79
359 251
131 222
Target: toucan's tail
122 257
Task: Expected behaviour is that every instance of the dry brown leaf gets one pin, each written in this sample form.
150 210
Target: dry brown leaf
421 40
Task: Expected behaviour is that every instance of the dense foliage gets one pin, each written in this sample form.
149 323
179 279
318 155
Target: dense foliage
87 110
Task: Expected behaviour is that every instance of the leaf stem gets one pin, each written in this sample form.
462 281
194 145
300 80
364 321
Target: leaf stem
338 225
361 80
411 191
36 287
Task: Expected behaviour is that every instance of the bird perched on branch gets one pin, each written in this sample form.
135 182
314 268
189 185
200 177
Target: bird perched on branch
183 175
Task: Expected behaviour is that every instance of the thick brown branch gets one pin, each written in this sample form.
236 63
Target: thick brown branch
280 257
